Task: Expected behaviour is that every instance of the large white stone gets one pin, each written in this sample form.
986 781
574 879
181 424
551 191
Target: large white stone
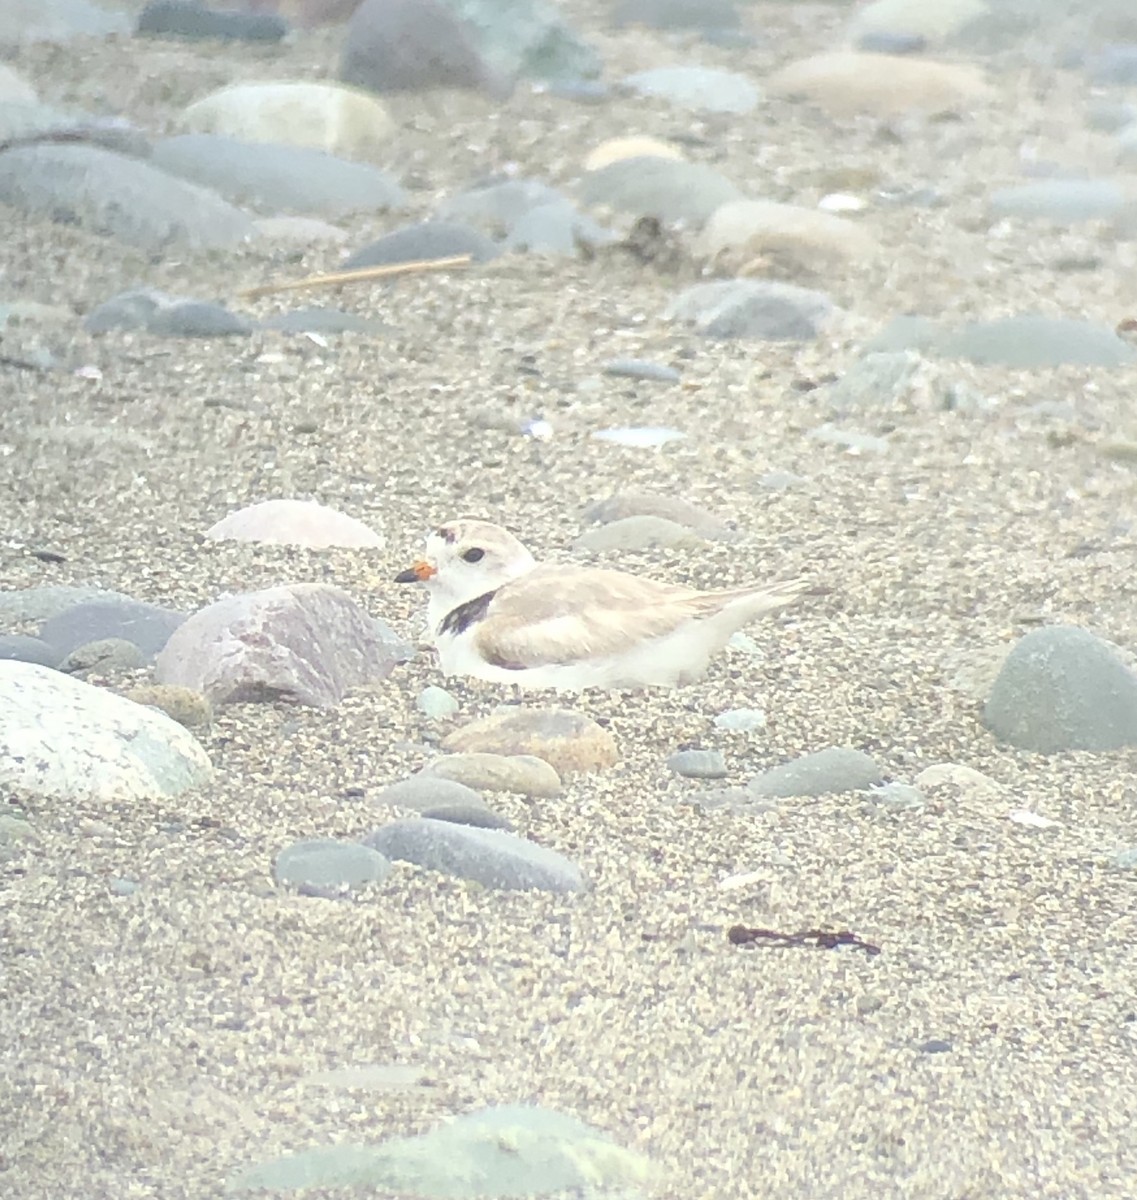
64 738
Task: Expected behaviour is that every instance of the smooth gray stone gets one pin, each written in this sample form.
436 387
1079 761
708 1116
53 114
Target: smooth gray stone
279 178
750 308
42 603
19 648
1031 341
426 240
148 626
557 229
198 318
421 792
500 204
119 197
668 189
29 121
1062 688
475 814
491 857
323 865
194 21
833 770
640 368
698 764
1063 201
103 655
57 21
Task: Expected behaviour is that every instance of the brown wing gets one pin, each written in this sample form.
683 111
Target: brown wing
557 614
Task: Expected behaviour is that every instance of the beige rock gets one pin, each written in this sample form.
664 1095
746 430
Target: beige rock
636 502
635 146
956 775
747 228
340 120
522 773
567 740
935 22
294 523
881 85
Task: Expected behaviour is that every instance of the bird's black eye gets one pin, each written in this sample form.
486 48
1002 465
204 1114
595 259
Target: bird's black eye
474 554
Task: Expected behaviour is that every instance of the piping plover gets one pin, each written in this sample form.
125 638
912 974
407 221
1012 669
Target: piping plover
496 613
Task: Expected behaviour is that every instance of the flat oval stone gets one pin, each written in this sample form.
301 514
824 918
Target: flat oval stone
521 773
569 741
324 865
833 770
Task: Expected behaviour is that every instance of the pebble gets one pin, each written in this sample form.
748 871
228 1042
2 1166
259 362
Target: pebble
519 1150
436 703
27 649
898 797
637 502
1123 860
833 770
413 46
425 790
322 116
569 741
883 85
815 240
123 887
642 437
558 228
279 178
113 195
184 705
668 189
103 656
477 815
63 738
639 368
43 603
698 764
294 523
307 642
750 308
1034 341
1062 688
851 440
1060 201
957 775
741 720
425 240
524 774
698 89
637 533
325 867
165 315
147 626
498 206
195 21
491 857
636 146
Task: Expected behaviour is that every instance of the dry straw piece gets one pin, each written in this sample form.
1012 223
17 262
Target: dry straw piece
359 275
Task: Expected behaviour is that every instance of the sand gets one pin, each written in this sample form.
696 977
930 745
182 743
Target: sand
155 1044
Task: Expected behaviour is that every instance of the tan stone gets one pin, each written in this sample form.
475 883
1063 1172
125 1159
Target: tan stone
636 146
567 740
754 227
882 85
324 116
187 706
522 773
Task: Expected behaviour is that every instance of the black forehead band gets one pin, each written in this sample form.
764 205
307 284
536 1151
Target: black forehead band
447 534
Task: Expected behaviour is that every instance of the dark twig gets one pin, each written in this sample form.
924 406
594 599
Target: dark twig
822 939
